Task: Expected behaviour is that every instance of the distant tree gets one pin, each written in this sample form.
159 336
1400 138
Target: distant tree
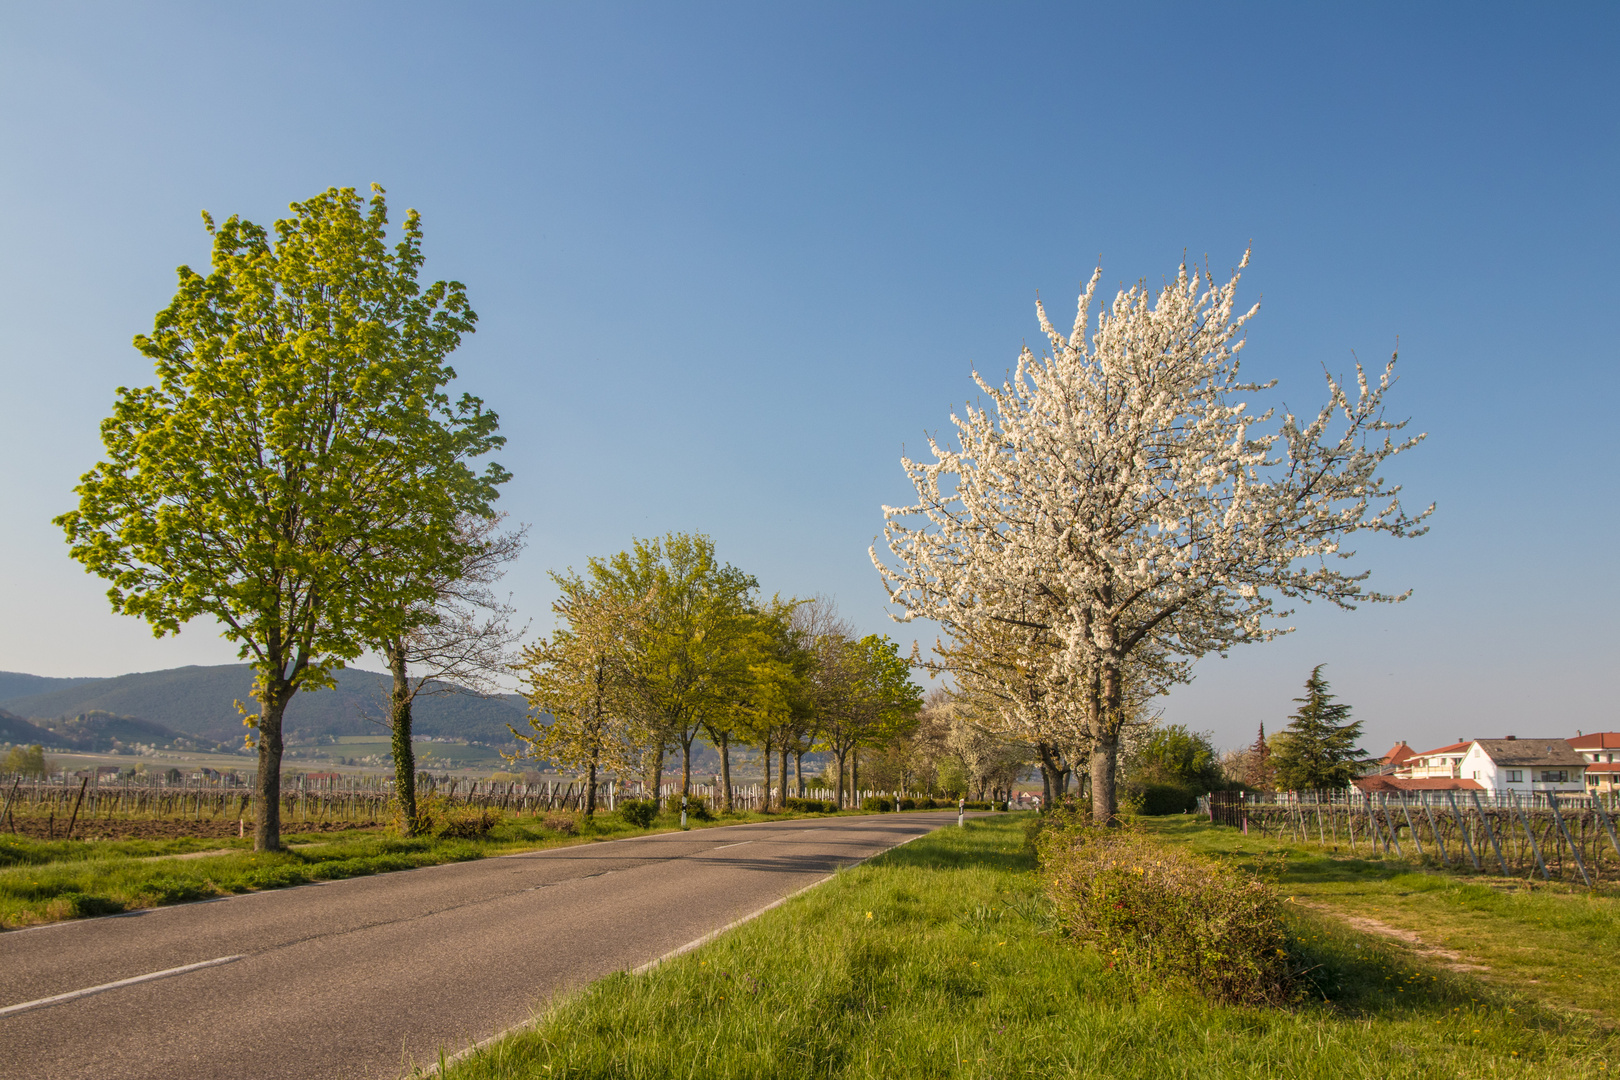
29 761
294 457
689 656
1172 754
865 697
1318 750
578 684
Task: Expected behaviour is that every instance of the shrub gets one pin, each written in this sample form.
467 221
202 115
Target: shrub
468 823
1163 912
697 808
878 804
1158 798
638 812
566 824
813 806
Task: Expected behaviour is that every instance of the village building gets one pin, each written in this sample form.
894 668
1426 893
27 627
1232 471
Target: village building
1441 763
1514 764
1599 749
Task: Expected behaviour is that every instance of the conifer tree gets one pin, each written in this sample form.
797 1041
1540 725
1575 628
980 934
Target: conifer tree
1318 750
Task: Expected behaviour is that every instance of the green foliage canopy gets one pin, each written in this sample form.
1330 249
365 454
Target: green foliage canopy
298 448
1318 750
1174 755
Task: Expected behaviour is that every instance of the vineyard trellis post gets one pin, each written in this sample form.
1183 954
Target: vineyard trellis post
1417 840
1462 830
1434 831
1524 821
1603 816
1490 833
1389 825
1580 863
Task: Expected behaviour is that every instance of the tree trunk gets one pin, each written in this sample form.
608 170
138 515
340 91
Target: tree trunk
725 769
590 789
1107 707
1048 767
842 760
267 830
798 771
686 766
399 722
658 779
854 776
767 772
782 758
1104 764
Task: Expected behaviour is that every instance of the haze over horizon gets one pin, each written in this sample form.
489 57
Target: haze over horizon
730 261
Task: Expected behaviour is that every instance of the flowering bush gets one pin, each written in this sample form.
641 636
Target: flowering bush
1158 911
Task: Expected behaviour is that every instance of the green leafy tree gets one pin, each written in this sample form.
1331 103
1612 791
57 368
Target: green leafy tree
29 761
1174 755
689 655
578 684
460 641
284 476
866 698
774 699
1318 750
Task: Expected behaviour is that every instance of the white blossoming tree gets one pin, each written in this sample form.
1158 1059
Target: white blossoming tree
1117 501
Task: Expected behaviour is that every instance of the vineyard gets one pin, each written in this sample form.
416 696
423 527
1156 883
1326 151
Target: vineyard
1568 837
82 807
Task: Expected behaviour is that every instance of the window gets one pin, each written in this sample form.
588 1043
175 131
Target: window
1554 776
1515 776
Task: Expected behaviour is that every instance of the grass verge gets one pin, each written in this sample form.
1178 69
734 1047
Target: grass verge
46 881
1551 942
942 959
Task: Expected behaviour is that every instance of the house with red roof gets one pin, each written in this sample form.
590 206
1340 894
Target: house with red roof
1441 763
1499 765
1599 749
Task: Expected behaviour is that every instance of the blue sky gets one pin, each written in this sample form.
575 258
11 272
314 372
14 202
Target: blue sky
731 260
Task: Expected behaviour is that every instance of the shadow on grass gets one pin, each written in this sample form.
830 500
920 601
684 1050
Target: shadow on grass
995 843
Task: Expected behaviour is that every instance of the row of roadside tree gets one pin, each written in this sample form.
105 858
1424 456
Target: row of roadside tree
661 645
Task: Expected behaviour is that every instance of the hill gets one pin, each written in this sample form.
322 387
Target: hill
199 702
98 732
14 684
14 729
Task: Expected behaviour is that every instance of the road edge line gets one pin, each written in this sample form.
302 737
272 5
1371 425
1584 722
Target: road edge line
74 995
462 1055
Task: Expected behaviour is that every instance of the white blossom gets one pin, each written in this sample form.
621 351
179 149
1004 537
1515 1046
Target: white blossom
1117 510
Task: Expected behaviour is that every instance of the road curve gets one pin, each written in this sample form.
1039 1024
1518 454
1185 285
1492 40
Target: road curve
365 977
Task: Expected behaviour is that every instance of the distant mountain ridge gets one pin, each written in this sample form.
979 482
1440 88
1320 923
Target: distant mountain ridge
99 732
199 701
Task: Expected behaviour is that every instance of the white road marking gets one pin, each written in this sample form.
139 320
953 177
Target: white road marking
74 995
739 843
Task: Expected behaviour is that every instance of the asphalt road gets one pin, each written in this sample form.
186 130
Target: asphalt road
365 977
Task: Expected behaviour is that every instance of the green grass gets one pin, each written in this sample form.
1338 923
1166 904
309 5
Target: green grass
1553 942
940 959
45 881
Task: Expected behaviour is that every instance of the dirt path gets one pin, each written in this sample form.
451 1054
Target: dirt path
1449 959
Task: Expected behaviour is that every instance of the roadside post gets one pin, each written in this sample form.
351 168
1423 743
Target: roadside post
961 811
683 810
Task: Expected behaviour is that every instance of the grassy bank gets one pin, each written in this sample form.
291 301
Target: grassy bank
45 881
940 959
1551 942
